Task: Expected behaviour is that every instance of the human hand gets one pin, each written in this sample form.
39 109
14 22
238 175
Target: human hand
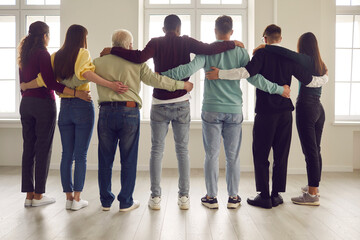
239 44
84 95
105 51
119 87
23 86
188 86
57 93
286 93
259 47
213 75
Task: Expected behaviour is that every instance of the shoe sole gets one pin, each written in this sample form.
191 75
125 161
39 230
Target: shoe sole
129 209
255 205
277 204
182 207
41 204
233 205
154 207
76 209
307 203
211 206
105 209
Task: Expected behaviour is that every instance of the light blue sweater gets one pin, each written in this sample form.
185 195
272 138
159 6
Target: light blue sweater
223 96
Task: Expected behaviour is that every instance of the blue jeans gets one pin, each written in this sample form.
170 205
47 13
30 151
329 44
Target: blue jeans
76 122
118 125
227 125
179 116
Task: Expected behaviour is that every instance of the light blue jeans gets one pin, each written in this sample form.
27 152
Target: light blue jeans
227 125
179 116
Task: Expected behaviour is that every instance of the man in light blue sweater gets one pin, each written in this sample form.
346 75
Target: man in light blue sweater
222 112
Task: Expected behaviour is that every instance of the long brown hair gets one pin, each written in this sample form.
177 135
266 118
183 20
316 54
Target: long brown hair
32 42
65 58
308 45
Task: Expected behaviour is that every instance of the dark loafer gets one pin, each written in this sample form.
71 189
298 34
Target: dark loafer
258 201
276 201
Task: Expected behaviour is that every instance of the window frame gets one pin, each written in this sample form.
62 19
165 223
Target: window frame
351 11
195 9
20 11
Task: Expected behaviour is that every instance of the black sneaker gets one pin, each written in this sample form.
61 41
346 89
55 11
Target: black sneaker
209 202
233 202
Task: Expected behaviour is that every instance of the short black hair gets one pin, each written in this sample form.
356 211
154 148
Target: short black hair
224 24
171 22
272 31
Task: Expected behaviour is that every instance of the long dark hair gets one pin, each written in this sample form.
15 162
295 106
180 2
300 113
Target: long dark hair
32 42
308 45
65 58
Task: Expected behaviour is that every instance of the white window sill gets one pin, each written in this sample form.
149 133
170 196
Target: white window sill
16 123
346 123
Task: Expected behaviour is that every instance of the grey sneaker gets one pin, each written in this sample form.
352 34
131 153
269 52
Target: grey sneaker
305 189
306 199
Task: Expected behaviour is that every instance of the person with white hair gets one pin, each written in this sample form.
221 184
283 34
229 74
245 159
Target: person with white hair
119 119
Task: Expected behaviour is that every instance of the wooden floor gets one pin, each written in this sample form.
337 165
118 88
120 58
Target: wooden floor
338 216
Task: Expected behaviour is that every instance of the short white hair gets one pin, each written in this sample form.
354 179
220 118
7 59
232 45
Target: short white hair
122 38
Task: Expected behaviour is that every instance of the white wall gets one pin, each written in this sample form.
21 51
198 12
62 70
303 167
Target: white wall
340 143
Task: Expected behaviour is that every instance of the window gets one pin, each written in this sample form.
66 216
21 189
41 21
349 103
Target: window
198 21
15 19
347 73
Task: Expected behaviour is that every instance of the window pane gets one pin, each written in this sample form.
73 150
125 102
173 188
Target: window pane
7 95
35 2
159 1
208 26
8 2
342 98
355 99
356 64
32 19
54 24
357 32
8 27
343 65
7 63
355 2
52 2
344 29
180 1
210 1
157 22
343 2
231 1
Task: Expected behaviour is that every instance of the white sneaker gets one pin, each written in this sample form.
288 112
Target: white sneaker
68 204
27 202
135 205
184 202
43 201
154 203
305 189
77 205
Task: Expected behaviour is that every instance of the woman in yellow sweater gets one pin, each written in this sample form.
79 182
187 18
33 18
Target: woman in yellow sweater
73 67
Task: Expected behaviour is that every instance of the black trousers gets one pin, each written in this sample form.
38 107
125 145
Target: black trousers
310 118
38 118
271 131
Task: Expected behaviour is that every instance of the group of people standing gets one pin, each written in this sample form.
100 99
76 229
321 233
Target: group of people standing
118 74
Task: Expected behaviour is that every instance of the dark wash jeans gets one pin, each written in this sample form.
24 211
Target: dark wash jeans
76 123
310 118
118 125
38 118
